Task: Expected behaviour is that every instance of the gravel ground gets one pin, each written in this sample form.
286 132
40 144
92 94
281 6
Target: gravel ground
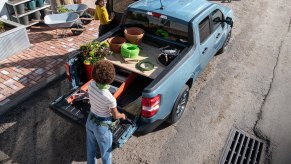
228 94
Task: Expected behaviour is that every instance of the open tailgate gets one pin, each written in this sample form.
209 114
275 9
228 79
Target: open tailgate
75 106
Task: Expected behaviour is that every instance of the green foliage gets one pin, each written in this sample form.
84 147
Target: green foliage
85 47
62 9
2 26
94 51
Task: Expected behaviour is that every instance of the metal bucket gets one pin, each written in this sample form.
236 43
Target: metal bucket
39 3
24 20
36 15
31 5
20 9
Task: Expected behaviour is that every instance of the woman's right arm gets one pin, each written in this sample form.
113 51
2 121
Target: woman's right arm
117 115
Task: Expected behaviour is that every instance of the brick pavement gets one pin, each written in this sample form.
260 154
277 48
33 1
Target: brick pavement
31 69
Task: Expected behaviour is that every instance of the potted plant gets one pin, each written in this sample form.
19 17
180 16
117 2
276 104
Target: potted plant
94 51
85 48
63 9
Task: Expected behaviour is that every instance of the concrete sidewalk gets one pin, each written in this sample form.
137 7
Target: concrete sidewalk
32 69
275 120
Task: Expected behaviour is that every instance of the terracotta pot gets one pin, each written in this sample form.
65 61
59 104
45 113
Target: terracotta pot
115 43
89 69
134 34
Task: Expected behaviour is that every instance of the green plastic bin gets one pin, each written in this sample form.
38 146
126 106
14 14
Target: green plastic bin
31 5
39 3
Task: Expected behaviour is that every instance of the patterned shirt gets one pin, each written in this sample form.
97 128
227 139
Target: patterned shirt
101 100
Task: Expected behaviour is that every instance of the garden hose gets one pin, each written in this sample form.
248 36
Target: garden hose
144 66
129 50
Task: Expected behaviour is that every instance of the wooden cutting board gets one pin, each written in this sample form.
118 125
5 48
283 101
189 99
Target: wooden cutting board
147 53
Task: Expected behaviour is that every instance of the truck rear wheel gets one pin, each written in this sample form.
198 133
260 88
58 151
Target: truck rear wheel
179 106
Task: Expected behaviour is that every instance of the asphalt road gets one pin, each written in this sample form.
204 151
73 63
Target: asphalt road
245 87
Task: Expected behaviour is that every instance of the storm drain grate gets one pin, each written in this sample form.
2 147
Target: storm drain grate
241 148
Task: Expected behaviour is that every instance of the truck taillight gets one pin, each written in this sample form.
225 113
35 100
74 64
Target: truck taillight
156 15
68 71
150 106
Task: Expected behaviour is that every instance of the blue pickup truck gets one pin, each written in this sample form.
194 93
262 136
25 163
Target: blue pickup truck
193 31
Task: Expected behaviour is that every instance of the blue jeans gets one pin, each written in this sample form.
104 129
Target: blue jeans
102 136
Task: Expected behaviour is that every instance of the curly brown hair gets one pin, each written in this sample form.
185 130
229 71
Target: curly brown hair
97 2
103 72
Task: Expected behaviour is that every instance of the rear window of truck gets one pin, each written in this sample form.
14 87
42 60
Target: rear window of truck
156 25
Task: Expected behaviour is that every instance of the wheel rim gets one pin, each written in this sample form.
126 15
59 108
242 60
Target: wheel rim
182 104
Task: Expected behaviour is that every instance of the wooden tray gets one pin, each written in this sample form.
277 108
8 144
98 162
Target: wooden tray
147 53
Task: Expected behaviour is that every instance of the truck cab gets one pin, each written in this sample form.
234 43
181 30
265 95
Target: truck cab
197 30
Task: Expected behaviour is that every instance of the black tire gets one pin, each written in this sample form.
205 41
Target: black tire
86 15
77 32
179 106
225 44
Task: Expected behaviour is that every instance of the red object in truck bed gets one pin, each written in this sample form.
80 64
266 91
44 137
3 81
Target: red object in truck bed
120 90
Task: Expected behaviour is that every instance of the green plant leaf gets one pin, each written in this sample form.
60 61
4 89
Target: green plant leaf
62 9
2 25
91 53
96 50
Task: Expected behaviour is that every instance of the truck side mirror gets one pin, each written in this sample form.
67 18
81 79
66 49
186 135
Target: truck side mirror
229 21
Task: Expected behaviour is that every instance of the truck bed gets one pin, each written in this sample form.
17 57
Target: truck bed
149 51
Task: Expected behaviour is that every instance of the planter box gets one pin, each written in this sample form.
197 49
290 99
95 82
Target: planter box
13 40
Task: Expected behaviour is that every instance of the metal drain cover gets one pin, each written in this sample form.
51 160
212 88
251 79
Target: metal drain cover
241 148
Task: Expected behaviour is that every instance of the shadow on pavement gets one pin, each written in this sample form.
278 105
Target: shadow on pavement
32 133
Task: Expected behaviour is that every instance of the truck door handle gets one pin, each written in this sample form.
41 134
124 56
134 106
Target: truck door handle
217 36
204 51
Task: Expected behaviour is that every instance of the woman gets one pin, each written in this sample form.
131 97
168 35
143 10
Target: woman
103 107
101 13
